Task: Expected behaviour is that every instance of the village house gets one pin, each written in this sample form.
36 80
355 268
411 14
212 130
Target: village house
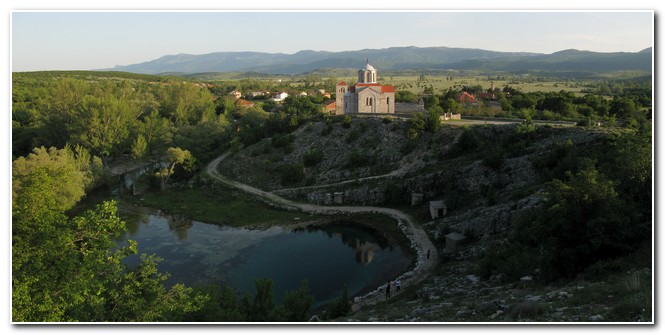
367 96
236 94
466 98
258 94
329 107
280 96
324 93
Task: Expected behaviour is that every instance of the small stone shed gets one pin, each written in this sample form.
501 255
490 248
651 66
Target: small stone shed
437 209
453 241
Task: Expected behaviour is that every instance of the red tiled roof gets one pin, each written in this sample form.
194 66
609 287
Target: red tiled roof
384 89
387 89
466 97
244 102
341 83
331 105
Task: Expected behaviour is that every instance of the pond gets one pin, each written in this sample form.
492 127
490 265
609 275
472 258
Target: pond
329 256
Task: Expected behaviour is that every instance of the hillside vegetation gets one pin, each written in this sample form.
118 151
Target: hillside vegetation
568 208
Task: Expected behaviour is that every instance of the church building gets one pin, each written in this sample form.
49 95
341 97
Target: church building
367 96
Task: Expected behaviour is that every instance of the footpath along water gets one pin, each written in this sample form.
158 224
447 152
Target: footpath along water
426 253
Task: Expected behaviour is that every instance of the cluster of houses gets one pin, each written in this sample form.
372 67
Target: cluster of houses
277 96
366 97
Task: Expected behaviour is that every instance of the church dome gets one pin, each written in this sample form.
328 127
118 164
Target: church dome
369 68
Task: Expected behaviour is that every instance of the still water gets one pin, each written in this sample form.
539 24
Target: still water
329 257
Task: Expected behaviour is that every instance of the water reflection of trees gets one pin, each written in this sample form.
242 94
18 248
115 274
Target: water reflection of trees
179 224
133 221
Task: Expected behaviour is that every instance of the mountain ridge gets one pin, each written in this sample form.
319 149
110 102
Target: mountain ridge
394 58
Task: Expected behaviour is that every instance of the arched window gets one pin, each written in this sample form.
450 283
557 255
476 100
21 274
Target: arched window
370 101
388 101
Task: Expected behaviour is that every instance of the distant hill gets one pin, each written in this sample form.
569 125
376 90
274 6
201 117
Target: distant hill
398 58
566 60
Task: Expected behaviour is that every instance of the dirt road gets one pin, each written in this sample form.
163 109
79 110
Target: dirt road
420 242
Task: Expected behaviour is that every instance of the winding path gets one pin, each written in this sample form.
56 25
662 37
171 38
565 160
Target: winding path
420 242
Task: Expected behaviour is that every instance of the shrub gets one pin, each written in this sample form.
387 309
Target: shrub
359 159
493 158
352 136
291 174
312 157
526 310
327 130
282 141
346 122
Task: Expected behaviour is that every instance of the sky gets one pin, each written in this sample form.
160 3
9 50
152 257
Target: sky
85 40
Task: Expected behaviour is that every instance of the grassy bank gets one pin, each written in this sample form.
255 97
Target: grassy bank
218 206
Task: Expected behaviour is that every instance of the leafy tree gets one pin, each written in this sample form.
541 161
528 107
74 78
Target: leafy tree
449 105
262 305
433 119
70 269
156 130
405 96
46 179
296 305
417 124
139 147
623 107
63 98
174 157
469 141
205 140
184 103
142 296
103 124
581 223
341 307
520 101
222 306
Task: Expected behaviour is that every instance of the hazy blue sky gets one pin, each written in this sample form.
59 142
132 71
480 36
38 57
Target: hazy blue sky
94 40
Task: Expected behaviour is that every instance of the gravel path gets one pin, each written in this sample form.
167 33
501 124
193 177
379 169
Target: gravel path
420 242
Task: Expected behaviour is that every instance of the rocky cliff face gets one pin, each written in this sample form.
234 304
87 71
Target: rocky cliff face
373 162
484 194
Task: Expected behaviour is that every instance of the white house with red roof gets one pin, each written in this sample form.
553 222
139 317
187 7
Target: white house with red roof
367 96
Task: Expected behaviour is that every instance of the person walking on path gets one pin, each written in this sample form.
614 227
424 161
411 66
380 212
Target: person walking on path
388 290
398 285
